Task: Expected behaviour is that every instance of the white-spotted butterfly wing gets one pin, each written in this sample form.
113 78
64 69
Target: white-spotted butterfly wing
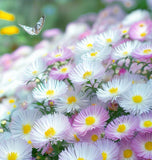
36 29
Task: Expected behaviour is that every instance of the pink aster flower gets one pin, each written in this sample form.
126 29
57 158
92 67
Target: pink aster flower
92 117
108 149
51 33
140 30
122 127
145 123
144 51
59 55
142 146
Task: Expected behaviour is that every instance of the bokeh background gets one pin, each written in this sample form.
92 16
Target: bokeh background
58 14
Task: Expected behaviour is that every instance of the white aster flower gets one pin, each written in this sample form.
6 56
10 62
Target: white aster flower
80 151
51 127
114 88
86 71
15 149
22 123
137 99
49 90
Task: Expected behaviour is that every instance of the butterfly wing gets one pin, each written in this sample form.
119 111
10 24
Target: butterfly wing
36 29
29 30
39 25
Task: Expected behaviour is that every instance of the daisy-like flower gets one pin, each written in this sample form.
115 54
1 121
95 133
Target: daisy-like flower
22 123
49 128
107 38
125 49
124 30
122 127
140 30
15 149
80 151
34 70
86 71
92 136
137 99
85 45
62 72
145 123
73 100
114 88
92 117
144 51
60 54
50 89
126 151
142 146
109 150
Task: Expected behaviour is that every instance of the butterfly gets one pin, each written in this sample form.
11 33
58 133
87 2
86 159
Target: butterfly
36 29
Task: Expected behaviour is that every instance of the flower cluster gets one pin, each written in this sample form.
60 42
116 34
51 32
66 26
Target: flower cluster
82 94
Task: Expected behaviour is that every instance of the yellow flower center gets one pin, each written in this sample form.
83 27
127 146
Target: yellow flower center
137 99
80 159
10 30
76 138
29 142
35 72
90 120
64 70
6 16
147 51
50 92
143 34
87 74
1 91
90 45
147 124
109 40
127 153
125 53
141 25
12 156
94 137
148 146
124 31
26 128
113 90
121 128
93 54
71 100
11 100
104 155
14 106
58 55
50 132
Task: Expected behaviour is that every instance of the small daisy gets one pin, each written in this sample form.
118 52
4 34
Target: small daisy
140 30
107 38
144 51
73 100
60 54
124 30
137 99
34 70
109 150
62 72
114 88
15 149
93 117
124 49
86 71
22 123
122 127
145 123
80 151
142 146
126 151
49 90
49 128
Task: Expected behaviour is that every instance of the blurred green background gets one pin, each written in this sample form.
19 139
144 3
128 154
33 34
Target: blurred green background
58 14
